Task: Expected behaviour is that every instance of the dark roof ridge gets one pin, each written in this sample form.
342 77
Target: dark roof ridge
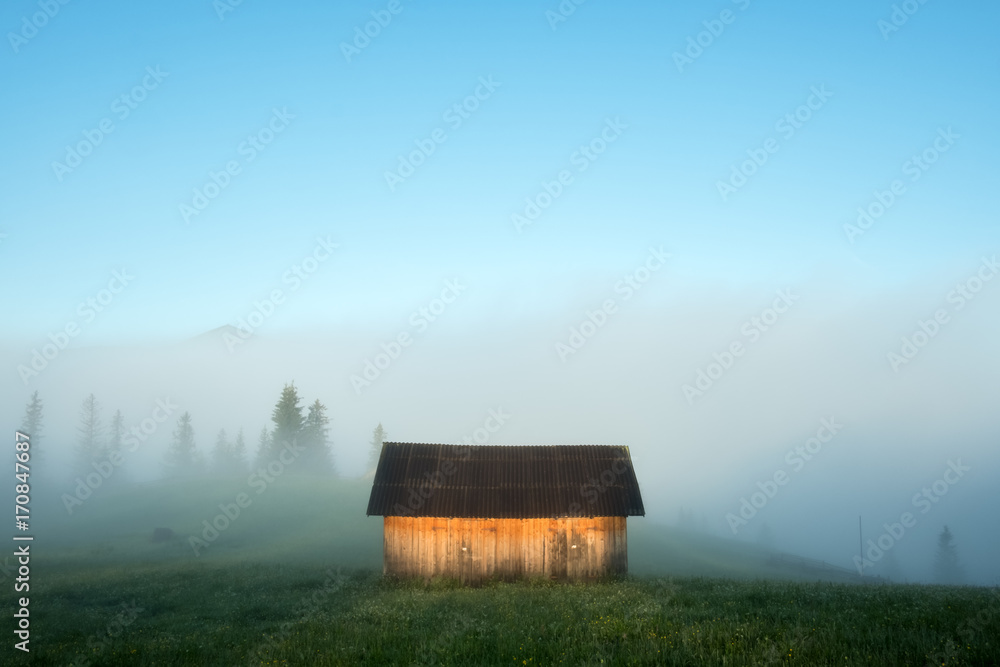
504 481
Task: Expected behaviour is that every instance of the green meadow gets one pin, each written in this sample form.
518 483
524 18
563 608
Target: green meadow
296 580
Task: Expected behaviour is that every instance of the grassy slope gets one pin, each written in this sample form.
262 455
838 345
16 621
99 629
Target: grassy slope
314 519
270 568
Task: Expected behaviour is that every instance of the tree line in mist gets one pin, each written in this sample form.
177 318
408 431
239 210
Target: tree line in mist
304 429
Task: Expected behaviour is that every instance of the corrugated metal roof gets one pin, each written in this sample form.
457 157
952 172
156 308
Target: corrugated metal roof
504 481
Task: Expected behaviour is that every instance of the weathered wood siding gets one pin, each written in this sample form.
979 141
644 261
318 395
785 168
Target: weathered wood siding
475 549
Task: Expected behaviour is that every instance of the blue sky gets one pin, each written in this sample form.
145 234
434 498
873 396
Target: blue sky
325 173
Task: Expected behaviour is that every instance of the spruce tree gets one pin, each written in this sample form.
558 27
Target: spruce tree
239 454
182 455
947 569
261 458
317 456
221 454
375 451
90 435
287 418
114 446
116 432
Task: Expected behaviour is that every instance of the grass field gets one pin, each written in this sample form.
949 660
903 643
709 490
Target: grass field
195 614
307 591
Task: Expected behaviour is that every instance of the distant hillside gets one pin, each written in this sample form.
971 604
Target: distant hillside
658 550
310 519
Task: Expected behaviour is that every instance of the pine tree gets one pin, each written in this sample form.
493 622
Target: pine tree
239 454
375 452
263 448
182 455
114 446
31 425
116 432
287 418
221 454
947 569
317 457
90 435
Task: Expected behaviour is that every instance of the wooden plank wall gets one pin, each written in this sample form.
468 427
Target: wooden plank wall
475 549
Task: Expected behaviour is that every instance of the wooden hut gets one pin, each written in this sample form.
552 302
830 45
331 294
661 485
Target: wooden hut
474 512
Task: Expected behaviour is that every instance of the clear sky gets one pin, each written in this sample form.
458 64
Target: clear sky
325 173
739 138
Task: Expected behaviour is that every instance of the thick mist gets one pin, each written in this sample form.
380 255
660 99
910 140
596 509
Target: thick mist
783 440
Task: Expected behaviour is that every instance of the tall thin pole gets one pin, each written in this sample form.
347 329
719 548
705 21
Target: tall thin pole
861 547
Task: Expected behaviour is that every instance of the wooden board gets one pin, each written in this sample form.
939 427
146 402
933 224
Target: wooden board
475 549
